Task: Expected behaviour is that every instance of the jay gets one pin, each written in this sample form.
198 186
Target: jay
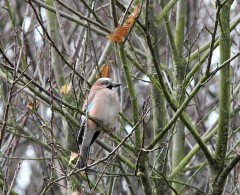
102 104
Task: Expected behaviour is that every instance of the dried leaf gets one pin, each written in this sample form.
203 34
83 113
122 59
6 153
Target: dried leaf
135 12
31 105
118 34
76 193
65 88
73 156
83 173
104 69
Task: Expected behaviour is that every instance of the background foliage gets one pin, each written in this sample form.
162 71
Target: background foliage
177 60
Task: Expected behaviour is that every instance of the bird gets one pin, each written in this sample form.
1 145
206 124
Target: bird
103 105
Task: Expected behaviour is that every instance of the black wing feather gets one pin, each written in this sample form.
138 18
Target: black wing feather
95 136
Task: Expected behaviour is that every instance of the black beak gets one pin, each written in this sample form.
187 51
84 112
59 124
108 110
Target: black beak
116 84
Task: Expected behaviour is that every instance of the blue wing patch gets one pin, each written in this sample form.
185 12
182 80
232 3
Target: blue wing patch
89 106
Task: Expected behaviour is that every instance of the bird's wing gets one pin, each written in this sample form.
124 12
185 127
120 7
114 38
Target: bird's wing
95 136
89 106
84 150
86 137
86 107
81 130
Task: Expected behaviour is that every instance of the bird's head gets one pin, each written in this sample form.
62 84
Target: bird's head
105 83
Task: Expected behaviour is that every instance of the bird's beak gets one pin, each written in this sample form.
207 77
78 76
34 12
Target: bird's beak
116 84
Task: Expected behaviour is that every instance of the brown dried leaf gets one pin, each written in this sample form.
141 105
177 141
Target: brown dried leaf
83 173
65 88
119 32
135 12
31 105
104 69
73 156
76 193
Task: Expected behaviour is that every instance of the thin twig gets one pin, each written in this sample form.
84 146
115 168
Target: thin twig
15 79
102 159
14 178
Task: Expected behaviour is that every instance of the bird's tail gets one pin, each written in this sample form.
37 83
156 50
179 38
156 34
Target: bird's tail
84 155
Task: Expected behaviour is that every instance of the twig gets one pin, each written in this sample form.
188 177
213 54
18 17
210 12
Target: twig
102 159
15 79
51 42
145 110
103 171
14 177
213 34
62 31
100 25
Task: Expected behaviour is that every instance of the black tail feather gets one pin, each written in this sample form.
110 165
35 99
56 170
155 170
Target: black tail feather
84 156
